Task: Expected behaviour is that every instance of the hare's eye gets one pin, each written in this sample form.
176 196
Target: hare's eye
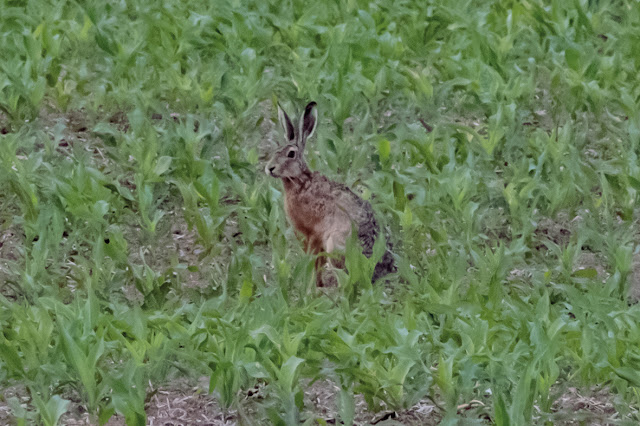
291 154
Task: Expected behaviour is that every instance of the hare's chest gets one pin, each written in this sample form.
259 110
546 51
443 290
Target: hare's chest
305 213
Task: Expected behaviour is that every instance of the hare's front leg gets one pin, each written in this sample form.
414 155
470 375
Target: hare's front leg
313 245
320 262
332 242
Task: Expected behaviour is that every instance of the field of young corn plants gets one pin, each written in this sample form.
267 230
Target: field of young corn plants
148 274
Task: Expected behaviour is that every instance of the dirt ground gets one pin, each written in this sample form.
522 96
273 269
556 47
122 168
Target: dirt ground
184 403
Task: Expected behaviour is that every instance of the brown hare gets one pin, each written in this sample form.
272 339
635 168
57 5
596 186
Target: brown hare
322 210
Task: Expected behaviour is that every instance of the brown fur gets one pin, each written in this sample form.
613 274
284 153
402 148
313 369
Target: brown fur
322 210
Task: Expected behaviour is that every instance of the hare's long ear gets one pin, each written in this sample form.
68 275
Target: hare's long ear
285 121
308 123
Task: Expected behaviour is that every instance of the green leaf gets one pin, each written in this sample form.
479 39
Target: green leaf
444 379
11 359
346 406
82 364
51 412
398 193
501 415
247 290
572 57
635 183
288 372
252 156
384 149
162 165
590 273
20 413
629 374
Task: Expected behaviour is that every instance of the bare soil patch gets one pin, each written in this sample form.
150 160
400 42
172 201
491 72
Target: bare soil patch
184 402
594 406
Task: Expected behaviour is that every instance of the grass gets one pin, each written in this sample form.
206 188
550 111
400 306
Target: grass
142 243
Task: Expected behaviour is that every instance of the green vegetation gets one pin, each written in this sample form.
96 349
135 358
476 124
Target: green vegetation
142 242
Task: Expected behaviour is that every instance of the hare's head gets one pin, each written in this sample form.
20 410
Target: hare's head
288 160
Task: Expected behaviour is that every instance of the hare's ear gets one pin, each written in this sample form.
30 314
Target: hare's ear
308 123
285 121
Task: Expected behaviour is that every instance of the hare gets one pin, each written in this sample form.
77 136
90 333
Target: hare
322 210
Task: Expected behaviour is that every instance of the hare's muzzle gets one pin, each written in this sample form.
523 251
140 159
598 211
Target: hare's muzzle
269 170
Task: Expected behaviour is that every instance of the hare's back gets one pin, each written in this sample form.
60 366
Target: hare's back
359 210
360 213
340 197
348 206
